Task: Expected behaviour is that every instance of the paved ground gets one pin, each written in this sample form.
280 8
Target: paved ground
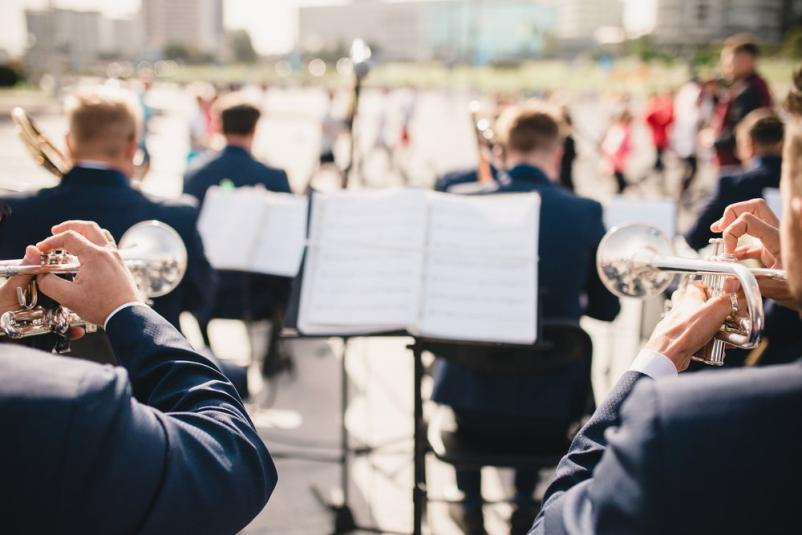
297 415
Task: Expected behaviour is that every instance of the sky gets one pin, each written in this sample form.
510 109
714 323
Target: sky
271 23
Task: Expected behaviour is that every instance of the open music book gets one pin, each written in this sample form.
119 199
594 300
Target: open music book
433 264
253 229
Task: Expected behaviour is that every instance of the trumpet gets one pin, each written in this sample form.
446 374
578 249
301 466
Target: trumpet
153 252
639 261
46 154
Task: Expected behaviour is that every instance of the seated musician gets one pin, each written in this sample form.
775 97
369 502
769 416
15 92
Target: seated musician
160 444
709 452
240 295
760 141
518 407
104 128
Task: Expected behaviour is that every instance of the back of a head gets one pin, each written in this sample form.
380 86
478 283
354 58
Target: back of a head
742 43
529 128
103 122
764 129
238 116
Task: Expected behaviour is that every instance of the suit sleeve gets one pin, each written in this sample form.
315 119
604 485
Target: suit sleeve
217 473
283 183
700 233
577 467
601 303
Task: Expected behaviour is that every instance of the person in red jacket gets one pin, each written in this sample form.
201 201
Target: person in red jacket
659 117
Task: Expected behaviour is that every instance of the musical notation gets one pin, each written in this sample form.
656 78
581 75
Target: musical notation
435 264
255 230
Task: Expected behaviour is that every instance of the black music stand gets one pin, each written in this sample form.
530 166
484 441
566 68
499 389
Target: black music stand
344 520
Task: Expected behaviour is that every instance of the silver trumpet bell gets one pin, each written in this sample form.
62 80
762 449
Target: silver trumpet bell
153 252
639 261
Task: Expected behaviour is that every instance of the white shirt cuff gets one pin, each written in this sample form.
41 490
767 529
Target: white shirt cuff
119 308
653 364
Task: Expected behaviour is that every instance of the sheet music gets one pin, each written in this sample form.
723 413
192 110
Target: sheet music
440 265
282 235
253 229
364 262
660 213
481 268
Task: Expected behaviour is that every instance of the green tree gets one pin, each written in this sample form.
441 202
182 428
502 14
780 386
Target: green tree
792 44
177 52
241 47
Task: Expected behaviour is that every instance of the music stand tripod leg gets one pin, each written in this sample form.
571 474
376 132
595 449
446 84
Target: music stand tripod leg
419 492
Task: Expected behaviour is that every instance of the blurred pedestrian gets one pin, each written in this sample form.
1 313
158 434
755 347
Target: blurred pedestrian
616 148
687 122
569 150
659 117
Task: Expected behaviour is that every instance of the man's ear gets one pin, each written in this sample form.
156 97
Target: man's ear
130 149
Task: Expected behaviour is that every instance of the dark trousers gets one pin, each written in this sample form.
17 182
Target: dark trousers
659 164
621 181
691 165
505 428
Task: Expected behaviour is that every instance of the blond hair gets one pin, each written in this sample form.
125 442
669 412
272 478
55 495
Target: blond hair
103 120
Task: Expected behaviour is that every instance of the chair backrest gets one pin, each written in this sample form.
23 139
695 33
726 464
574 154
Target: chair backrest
561 342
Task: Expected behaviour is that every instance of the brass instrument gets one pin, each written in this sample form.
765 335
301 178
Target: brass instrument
153 252
46 154
485 141
639 261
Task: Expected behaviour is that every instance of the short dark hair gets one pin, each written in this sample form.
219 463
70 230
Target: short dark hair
742 44
238 116
530 127
764 128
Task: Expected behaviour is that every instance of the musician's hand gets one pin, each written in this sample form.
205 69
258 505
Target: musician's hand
8 290
692 322
102 284
751 218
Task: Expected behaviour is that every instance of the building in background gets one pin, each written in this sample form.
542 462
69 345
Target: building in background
195 25
583 25
62 39
473 31
691 24
122 39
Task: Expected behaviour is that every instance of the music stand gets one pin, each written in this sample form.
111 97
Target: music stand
344 519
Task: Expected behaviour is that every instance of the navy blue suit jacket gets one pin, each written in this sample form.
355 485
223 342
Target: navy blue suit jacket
456 178
571 228
711 452
782 325
731 189
106 197
160 445
240 295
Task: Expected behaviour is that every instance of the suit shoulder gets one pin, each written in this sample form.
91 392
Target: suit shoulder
17 198
30 374
724 392
269 170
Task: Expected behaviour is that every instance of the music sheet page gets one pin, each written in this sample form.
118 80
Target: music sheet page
229 226
364 264
481 268
255 230
282 238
